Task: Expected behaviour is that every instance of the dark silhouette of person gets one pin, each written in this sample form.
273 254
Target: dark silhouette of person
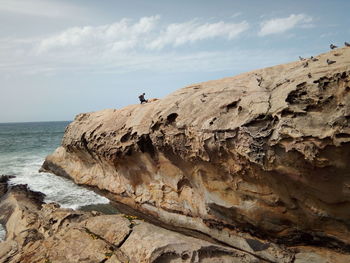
142 98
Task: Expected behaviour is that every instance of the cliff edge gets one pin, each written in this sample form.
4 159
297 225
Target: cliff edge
264 154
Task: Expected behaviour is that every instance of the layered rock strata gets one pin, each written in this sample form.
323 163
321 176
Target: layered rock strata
263 155
43 233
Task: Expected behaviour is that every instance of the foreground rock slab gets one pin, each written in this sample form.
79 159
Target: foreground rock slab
39 232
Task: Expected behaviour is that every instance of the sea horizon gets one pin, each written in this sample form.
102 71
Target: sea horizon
18 122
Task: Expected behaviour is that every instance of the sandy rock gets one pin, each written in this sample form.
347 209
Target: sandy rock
310 258
113 259
152 244
42 233
319 255
74 245
264 154
109 227
8 249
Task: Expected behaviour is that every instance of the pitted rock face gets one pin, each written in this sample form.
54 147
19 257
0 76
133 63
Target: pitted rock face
265 152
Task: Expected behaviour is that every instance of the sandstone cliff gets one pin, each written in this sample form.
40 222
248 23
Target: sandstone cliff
262 155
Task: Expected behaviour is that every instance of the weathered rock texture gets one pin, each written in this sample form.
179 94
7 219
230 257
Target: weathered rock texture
45 233
263 154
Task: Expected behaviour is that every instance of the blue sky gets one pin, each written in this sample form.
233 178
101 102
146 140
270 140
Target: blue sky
61 58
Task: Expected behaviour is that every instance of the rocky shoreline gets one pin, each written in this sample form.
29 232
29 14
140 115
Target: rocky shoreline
262 155
251 168
39 232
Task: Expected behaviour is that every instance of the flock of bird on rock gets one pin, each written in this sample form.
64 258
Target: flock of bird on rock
329 62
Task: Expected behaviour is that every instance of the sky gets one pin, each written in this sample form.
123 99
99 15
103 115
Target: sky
59 58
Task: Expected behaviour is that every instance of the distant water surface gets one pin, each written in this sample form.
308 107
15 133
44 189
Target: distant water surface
23 148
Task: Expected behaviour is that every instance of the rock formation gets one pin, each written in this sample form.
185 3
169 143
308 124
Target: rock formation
43 233
260 156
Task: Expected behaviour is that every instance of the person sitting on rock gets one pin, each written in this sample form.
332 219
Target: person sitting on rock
142 98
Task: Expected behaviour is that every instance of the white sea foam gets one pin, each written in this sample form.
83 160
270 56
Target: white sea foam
2 233
56 189
23 147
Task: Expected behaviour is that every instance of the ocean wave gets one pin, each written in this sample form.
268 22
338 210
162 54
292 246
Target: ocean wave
57 189
22 156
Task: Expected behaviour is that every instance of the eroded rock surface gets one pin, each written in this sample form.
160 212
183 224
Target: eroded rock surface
43 233
264 154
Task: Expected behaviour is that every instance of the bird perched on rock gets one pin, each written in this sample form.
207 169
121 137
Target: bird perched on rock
301 58
332 46
313 59
329 62
306 64
347 44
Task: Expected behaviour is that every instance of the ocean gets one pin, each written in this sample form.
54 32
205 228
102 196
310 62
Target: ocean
23 148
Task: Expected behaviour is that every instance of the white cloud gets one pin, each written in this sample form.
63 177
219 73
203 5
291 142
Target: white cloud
110 62
118 36
119 47
191 31
280 25
42 8
146 33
